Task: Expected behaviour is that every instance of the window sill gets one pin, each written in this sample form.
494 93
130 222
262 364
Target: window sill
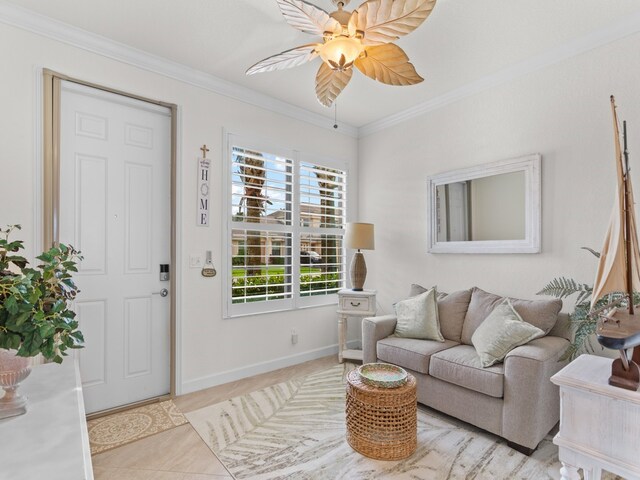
331 301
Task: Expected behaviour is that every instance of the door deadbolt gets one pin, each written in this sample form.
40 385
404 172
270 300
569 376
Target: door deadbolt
164 272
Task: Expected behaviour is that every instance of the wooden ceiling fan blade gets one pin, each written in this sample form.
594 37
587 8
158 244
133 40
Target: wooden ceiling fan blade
307 17
330 83
287 59
384 21
388 64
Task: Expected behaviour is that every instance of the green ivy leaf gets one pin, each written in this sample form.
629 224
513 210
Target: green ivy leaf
11 305
20 319
14 341
46 330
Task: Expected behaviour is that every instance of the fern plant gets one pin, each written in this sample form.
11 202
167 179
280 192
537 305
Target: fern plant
581 321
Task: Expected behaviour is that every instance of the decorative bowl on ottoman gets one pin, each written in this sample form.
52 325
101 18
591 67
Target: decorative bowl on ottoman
382 375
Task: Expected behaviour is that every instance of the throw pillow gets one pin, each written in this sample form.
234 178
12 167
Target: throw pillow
416 290
452 309
418 317
451 313
539 313
502 331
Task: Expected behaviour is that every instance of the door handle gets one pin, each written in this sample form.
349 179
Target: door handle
163 293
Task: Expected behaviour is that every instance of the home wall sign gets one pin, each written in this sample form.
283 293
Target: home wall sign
204 202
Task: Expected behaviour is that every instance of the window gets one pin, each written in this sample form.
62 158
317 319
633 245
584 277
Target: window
286 227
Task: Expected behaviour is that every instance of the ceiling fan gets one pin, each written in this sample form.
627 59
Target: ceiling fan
361 38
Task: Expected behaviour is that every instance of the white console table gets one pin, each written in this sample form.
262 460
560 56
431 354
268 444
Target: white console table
353 304
50 441
599 424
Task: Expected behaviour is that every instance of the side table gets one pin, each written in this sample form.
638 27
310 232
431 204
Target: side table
381 422
599 423
353 304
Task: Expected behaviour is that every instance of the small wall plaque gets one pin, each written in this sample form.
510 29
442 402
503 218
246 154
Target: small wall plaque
208 270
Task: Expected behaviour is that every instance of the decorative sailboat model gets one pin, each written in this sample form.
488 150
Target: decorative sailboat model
619 271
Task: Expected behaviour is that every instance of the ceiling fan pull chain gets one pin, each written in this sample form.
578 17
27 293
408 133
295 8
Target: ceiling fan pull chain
335 115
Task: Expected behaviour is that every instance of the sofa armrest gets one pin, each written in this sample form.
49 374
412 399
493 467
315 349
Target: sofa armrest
531 401
374 329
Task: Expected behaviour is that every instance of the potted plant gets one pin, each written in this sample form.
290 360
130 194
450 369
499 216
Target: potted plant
583 321
34 313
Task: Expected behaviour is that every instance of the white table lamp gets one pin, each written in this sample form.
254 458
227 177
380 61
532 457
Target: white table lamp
359 236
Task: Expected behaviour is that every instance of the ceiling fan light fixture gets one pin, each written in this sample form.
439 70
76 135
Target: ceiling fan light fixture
362 38
340 52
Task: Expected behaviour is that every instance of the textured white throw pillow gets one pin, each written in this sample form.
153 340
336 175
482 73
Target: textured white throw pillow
502 331
418 317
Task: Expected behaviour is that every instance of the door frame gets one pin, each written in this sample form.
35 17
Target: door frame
51 88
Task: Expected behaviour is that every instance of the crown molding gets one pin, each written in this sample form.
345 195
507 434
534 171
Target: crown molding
47 27
628 26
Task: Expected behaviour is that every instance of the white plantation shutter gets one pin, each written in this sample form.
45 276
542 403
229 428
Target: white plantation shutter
261 213
322 219
286 221
259 176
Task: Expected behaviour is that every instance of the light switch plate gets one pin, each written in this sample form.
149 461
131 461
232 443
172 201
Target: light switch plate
195 261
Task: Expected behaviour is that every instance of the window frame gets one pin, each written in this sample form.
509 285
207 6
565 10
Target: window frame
296 301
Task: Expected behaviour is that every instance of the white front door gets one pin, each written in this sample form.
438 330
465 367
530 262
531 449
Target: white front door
115 206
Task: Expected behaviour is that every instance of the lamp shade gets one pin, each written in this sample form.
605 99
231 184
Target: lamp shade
359 236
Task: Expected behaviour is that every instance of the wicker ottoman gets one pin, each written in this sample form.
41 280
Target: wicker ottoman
381 422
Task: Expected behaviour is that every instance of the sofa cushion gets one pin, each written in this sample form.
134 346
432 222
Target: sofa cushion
409 352
452 309
539 313
461 366
418 317
502 331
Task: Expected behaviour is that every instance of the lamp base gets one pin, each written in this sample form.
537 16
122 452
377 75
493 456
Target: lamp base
358 272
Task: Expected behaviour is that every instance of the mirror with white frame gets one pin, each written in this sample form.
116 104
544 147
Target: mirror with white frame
492 208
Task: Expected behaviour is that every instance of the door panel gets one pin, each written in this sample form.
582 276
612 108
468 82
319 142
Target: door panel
138 209
91 212
115 159
138 337
93 357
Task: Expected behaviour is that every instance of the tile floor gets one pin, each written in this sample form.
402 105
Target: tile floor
179 453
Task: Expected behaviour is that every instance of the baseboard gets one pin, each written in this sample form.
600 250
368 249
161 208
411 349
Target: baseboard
257 368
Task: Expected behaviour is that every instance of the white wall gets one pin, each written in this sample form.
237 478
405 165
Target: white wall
212 347
561 112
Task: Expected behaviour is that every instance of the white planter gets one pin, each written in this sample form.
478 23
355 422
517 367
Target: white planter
13 370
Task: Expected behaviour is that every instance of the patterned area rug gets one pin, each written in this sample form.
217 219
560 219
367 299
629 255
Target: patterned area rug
125 427
296 430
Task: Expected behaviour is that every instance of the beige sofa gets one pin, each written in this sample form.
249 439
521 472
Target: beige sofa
513 399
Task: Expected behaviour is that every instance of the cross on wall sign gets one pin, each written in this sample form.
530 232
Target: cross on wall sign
203 188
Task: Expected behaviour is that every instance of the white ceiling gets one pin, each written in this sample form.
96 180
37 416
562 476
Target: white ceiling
461 42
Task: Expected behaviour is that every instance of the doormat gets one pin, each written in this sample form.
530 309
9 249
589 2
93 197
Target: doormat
120 428
296 431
